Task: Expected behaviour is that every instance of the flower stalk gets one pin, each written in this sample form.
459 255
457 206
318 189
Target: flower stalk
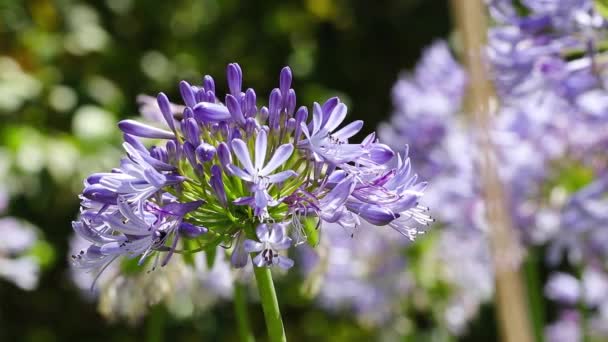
270 304
240 311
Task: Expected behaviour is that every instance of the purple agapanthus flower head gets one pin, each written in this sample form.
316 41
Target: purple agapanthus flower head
237 173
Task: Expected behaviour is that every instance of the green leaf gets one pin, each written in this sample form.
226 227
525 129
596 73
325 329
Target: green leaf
129 266
211 253
310 225
602 7
189 244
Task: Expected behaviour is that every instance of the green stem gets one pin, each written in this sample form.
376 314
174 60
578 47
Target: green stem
155 324
270 304
240 310
535 297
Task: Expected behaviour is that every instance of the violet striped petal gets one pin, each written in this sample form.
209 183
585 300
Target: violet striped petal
234 107
235 78
191 230
187 94
142 130
336 117
281 176
281 154
165 109
349 130
205 112
260 149
242 154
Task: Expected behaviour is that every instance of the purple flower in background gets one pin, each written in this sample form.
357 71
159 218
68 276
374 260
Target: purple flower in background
16 265
566 329
363 274
425 104
539 53
563 287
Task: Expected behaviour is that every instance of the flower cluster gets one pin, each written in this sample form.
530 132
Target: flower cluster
232 173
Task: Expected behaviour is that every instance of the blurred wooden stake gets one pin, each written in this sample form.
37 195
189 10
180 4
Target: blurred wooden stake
511 309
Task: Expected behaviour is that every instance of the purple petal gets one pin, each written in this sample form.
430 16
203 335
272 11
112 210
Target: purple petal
317 117
284 262
205 152
165 108
218 184
260 149
250 126
250 103
290 125
301 116
234 107
235 78
191 230
277 234
92 235
243 200
336 117
263 116
133 141
111 248
142 130
372 213
260 198
208 83
192 131
251 246
349 130
285 80
290 102
381 153
338 195
126 210
239 255
205 112
188 113
190 153
154 177
258 261
328 107
280 156
242 154
262 232
181 209
99 193
224 155
281 176
187 94
237 171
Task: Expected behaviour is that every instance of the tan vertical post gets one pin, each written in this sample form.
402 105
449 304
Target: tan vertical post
511 309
